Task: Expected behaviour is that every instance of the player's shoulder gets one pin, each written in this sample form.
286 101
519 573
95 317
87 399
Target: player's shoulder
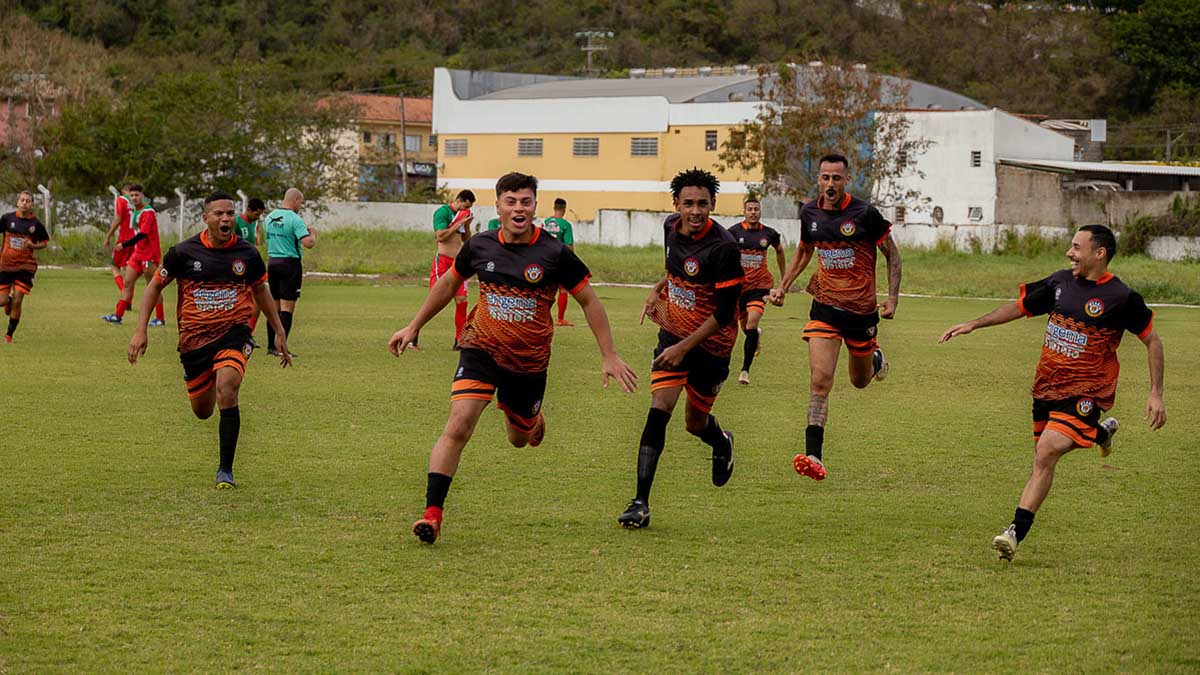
722 233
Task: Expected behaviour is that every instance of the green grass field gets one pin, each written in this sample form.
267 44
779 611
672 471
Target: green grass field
119 556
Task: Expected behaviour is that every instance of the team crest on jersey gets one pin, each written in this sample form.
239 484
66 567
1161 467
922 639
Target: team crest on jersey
762 243
691 266
239 267
848 228
32 229
1085 406
534 273
1094 307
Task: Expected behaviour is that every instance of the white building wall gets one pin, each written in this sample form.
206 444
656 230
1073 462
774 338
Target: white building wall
1020 139
950 181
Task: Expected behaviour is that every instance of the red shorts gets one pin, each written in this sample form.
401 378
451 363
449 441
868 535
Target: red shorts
140 266
120 258
441 265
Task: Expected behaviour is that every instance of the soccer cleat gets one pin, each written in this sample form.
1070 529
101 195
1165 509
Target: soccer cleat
157 322
429 527
807 465
564 322
636 516
1110 425
744 377
722 467
881 365
272 352
112 318
8 339
225 480
539 432
1005 543
758 347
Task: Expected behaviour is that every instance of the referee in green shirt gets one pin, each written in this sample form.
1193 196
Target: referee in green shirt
286 233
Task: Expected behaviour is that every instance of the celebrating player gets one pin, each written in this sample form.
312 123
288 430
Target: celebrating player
844 232
451 229
22 234
505 345
560 227
144 253
286 234
221 280
695 305
754 239
1076 377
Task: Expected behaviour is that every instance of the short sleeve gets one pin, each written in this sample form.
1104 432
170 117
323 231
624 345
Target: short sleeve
122 207
1138 318
878 226
568 233
172 267
441 218
462 263
1037 297
147 221
39 233
729 266
256 269
573 274
775 239
299 229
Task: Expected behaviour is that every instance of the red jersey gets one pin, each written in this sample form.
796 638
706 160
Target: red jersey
148 248
124 212
845 242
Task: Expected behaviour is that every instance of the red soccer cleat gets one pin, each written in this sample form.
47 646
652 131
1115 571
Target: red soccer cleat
8 339
809 466
429 527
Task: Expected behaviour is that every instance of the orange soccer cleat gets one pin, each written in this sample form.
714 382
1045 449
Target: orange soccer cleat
807 465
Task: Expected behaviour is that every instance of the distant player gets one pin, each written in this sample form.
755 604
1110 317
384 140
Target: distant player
221 281
22 235
506 343
561 228
144 254
1076 377
754 240
451 229
493 224
695 305
122 227
286 235
247 228
843 232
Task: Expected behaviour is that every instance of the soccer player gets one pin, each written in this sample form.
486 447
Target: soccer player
493 224
122 226
695 305
286 234
753 240
1076 377
561 228
22 234
247 228
221 280
506 342
451 229
144 253
844 232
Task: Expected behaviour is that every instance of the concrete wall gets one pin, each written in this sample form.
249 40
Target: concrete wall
1029 197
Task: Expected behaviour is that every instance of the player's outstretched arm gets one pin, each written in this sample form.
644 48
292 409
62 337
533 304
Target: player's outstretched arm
597 319
262 296
1156 410
795 268
439 296
781 259
150 298
655 293
892 252
1003 314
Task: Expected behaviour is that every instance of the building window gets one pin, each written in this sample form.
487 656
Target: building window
976 159
455 147
585 147
710 140
900 213
737 139
387 141
412 143
529 147
975 213
643 147
433 140
367 137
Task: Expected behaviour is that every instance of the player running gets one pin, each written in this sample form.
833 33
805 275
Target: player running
844 232
506 342
144 254
22 235
695 305
560 227
1076 377
754 239
451 229
221 280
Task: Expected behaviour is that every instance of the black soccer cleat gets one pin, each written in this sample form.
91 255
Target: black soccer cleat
722 463
636 516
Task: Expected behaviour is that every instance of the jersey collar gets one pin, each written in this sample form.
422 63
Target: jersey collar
747 226
209 244
1104 278
699 235
537 232
841 207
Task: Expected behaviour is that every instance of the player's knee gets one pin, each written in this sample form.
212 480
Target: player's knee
227 393
859 380
695 421
822 383
202 411
457 433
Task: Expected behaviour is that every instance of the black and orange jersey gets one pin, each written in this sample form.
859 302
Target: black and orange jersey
1087 321
754 242
517 285
844 241
697 267
18 232
216 286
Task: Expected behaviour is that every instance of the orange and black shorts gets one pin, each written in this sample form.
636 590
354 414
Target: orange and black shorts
700 374
753 300
22 280
1075 418
856 330
519 395
200 366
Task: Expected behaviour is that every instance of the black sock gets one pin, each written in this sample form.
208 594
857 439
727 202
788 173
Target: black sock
270 336
437 485
286 319
654 437
12 326
749 347
1102 434
231 424
713 436
814 439
1023 520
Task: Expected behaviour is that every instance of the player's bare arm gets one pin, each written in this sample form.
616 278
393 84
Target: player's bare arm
116 222
781 259
1156 410
447 235
672 356
310 240
892 252
804 253
597 319
439 296
150 298
655 293
266 304
1003 314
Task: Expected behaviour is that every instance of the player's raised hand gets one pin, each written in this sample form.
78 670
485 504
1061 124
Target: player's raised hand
614 367
403 339
955 331
1156 411
137 346
775 297
888 309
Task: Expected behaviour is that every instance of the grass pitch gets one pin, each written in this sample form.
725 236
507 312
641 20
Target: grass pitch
118 555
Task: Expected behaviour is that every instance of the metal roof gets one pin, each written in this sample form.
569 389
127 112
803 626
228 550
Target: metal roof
1103 167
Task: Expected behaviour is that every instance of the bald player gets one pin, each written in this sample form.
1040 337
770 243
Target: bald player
287 234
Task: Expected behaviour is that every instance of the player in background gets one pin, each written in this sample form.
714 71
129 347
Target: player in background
1076 378
695 306
221 281
560 227
22 235
843 233
286 235
122 227
506 342
247 228
451 229
754 240
493 224
144 253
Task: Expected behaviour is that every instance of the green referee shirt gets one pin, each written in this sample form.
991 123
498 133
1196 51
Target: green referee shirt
285 229
561 229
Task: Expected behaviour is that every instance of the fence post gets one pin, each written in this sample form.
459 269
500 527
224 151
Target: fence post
115 192
182 204
46 207
245 201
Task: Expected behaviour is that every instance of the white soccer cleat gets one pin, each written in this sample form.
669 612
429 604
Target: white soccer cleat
744 377
1110 425
881 365
1005 543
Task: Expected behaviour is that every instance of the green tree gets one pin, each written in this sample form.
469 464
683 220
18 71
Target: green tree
1161 41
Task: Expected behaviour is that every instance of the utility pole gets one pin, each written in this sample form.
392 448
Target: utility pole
1173 141
403 149
594 44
